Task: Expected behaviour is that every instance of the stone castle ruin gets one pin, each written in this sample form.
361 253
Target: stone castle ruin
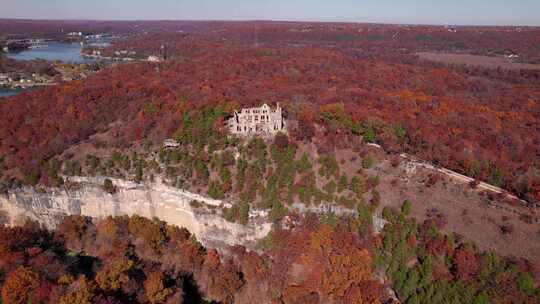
257 121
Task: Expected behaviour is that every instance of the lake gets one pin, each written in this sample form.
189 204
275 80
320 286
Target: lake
67 52
8 93
4 92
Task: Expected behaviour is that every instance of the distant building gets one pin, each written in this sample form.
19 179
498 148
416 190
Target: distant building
171 143
512 57
262 120
153 58
4 79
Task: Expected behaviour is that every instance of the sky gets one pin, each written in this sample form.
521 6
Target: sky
455 12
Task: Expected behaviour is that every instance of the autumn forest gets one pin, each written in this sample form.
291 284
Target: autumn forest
342 86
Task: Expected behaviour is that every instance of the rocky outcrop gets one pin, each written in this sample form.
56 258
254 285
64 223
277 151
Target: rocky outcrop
156 199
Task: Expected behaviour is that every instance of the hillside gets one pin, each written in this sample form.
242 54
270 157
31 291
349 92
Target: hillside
482 123
127 260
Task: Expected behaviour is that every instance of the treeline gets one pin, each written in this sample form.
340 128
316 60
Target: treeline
365 41
428 266
137 260
16 68
316 259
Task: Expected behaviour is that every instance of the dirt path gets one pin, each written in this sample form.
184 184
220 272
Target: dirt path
491 222
461 178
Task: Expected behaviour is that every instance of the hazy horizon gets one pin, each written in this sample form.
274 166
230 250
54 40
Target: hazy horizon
266 20
421 12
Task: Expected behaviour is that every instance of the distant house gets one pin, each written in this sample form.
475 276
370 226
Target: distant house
153 58
171 143
261 120
512 57
4 79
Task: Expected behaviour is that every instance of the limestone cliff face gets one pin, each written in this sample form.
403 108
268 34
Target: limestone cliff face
152 200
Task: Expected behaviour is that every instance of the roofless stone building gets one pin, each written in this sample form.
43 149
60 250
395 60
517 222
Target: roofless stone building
257 121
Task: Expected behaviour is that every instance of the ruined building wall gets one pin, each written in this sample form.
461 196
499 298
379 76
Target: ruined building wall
262 120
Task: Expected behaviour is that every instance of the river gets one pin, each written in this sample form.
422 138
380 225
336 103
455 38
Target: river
52 51
6 93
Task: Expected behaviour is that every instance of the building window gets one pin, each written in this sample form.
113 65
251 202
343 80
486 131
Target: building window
238 129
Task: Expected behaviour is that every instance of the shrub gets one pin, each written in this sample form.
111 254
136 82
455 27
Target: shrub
257 148
330 187
342 183
229 214
365 218
243 217
277 212
238 213
373 182
215 191
474 183
369 135
32 177
368 162
387 214
358 185
396 161
400 133
92 163
507 229
329 166
304 165
268 242
496 178
202 171
139 173
281 141
525 283
109 187
241 166
406 208
195 204
72 168
375 198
